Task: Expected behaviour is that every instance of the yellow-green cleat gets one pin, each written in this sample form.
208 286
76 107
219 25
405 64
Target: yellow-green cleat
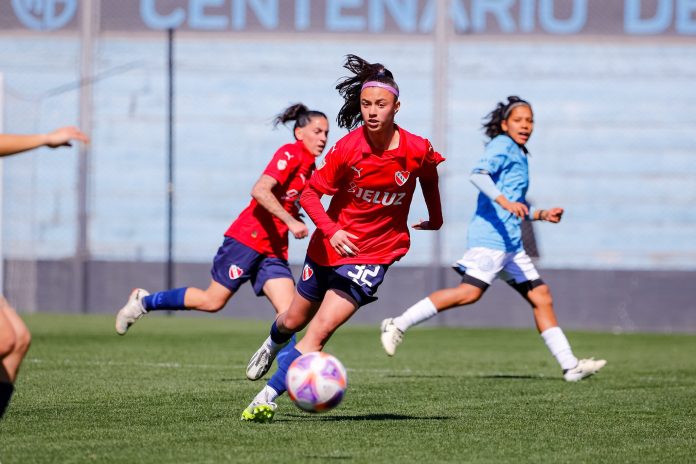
259 412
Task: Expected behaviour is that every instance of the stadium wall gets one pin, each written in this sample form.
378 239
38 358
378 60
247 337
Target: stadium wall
606 300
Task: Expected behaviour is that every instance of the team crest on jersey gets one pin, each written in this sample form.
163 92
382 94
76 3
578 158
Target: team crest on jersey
282 164
307 273
401 177
235 272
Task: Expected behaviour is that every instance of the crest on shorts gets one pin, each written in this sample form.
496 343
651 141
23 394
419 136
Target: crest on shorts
307 273
401 177
235 272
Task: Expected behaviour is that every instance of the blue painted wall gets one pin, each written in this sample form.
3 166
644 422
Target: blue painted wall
614 143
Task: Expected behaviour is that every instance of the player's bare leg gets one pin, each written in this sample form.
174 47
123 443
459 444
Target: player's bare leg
210 300
335 310
542 305
12 329
280 293
292 321
15 339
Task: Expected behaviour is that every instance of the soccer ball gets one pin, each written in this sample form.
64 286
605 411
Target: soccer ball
316 382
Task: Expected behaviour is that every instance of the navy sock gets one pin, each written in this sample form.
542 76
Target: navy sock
286 349
277 336
277 381
168 299
6 390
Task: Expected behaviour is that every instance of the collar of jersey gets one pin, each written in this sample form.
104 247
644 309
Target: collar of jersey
307 155
395 152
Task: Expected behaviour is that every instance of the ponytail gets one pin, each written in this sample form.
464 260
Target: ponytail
349 88
298 113
492 122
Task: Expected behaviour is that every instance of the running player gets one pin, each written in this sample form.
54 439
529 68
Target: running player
255 246
495 241
15 337
371 174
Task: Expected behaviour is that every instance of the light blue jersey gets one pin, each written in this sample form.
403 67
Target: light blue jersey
492 226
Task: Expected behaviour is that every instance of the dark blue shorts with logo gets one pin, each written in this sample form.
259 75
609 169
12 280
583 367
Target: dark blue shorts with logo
360 281
236 263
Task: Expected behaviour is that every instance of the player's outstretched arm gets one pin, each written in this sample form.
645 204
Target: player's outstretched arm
11 144
431 194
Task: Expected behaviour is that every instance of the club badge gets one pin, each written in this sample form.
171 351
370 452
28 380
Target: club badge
307 273
401 177
235 272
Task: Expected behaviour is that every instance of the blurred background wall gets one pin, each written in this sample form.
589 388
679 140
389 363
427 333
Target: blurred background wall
611 82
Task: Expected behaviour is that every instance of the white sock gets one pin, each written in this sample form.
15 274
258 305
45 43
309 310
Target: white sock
274 347
419 312
558 345
267 395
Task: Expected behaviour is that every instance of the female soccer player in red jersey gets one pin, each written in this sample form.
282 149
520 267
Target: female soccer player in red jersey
371 174
15 338
256 244
495 242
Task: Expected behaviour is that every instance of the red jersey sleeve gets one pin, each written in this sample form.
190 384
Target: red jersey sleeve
283 164
328 173
310 200
432 158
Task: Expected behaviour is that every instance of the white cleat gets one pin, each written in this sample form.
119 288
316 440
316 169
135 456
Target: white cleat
584 369
261 361
132 311
391 336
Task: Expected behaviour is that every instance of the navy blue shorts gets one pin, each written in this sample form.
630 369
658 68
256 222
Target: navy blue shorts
360 281
236 263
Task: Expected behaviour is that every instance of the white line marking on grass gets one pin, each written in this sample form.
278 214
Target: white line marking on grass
176 365
163 365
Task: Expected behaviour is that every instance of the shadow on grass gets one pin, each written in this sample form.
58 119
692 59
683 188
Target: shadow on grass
465 376
422 376
360 417
516 377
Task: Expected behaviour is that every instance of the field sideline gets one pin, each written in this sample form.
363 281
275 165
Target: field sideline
172 390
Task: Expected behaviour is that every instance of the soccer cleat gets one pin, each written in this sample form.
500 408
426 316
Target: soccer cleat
391 336
261 361
259 412
132 311
584 369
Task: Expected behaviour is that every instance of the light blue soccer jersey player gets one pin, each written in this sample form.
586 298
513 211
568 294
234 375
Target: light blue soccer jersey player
504 165
494 248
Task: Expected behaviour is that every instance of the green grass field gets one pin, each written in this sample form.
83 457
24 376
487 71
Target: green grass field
172 390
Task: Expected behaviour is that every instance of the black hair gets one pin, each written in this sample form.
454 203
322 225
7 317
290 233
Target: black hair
493 120
349 88
298 113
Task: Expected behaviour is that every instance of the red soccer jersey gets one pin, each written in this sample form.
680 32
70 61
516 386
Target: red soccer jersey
291 166
372 196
